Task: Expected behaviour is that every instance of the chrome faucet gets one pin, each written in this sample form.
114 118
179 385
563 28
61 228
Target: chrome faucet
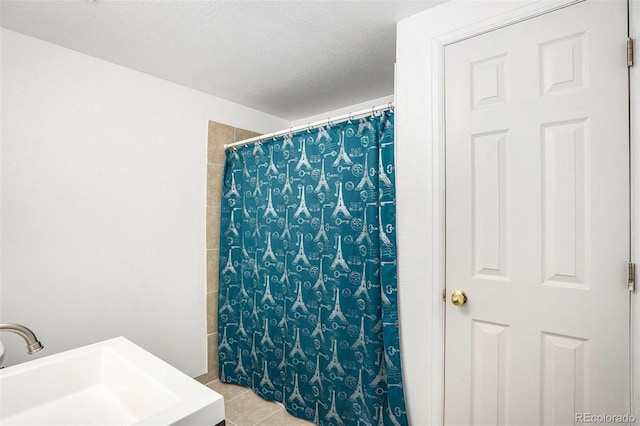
33 345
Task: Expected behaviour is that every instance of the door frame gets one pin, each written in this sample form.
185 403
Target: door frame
453 22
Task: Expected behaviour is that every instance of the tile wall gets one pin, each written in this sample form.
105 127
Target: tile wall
219 135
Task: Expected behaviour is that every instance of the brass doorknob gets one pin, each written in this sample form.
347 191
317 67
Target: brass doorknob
458 298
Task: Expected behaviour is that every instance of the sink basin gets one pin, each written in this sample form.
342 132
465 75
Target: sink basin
107 383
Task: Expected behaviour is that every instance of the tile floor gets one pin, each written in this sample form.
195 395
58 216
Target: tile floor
245 408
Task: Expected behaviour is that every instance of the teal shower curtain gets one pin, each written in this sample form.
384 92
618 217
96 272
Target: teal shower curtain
308 312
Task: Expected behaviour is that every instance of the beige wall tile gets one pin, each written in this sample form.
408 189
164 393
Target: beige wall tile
212 345
213 228
214 184
212 312
213 269
219 135
242 134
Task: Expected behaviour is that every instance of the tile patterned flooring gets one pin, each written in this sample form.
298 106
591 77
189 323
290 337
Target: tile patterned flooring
245 408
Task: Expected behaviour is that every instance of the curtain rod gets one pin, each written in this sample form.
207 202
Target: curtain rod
329 121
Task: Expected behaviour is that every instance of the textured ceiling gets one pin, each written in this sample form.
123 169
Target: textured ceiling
292 59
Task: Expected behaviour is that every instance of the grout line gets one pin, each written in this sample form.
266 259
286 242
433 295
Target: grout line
271 415
231 399
262 420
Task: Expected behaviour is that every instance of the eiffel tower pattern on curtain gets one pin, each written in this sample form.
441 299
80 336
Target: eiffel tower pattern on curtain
308 310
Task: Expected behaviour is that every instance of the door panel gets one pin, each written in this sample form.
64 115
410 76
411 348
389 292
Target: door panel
537 219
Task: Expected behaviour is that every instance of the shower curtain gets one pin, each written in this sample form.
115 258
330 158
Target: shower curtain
308 310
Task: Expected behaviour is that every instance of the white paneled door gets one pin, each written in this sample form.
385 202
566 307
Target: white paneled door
537 220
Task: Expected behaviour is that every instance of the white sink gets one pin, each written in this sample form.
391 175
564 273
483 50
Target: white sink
114 382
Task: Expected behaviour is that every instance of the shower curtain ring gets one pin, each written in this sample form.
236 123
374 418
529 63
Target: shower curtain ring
373 112
390 105
291 131
329 123
309 127
349 120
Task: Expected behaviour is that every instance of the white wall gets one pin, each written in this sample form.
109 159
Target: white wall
103 202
